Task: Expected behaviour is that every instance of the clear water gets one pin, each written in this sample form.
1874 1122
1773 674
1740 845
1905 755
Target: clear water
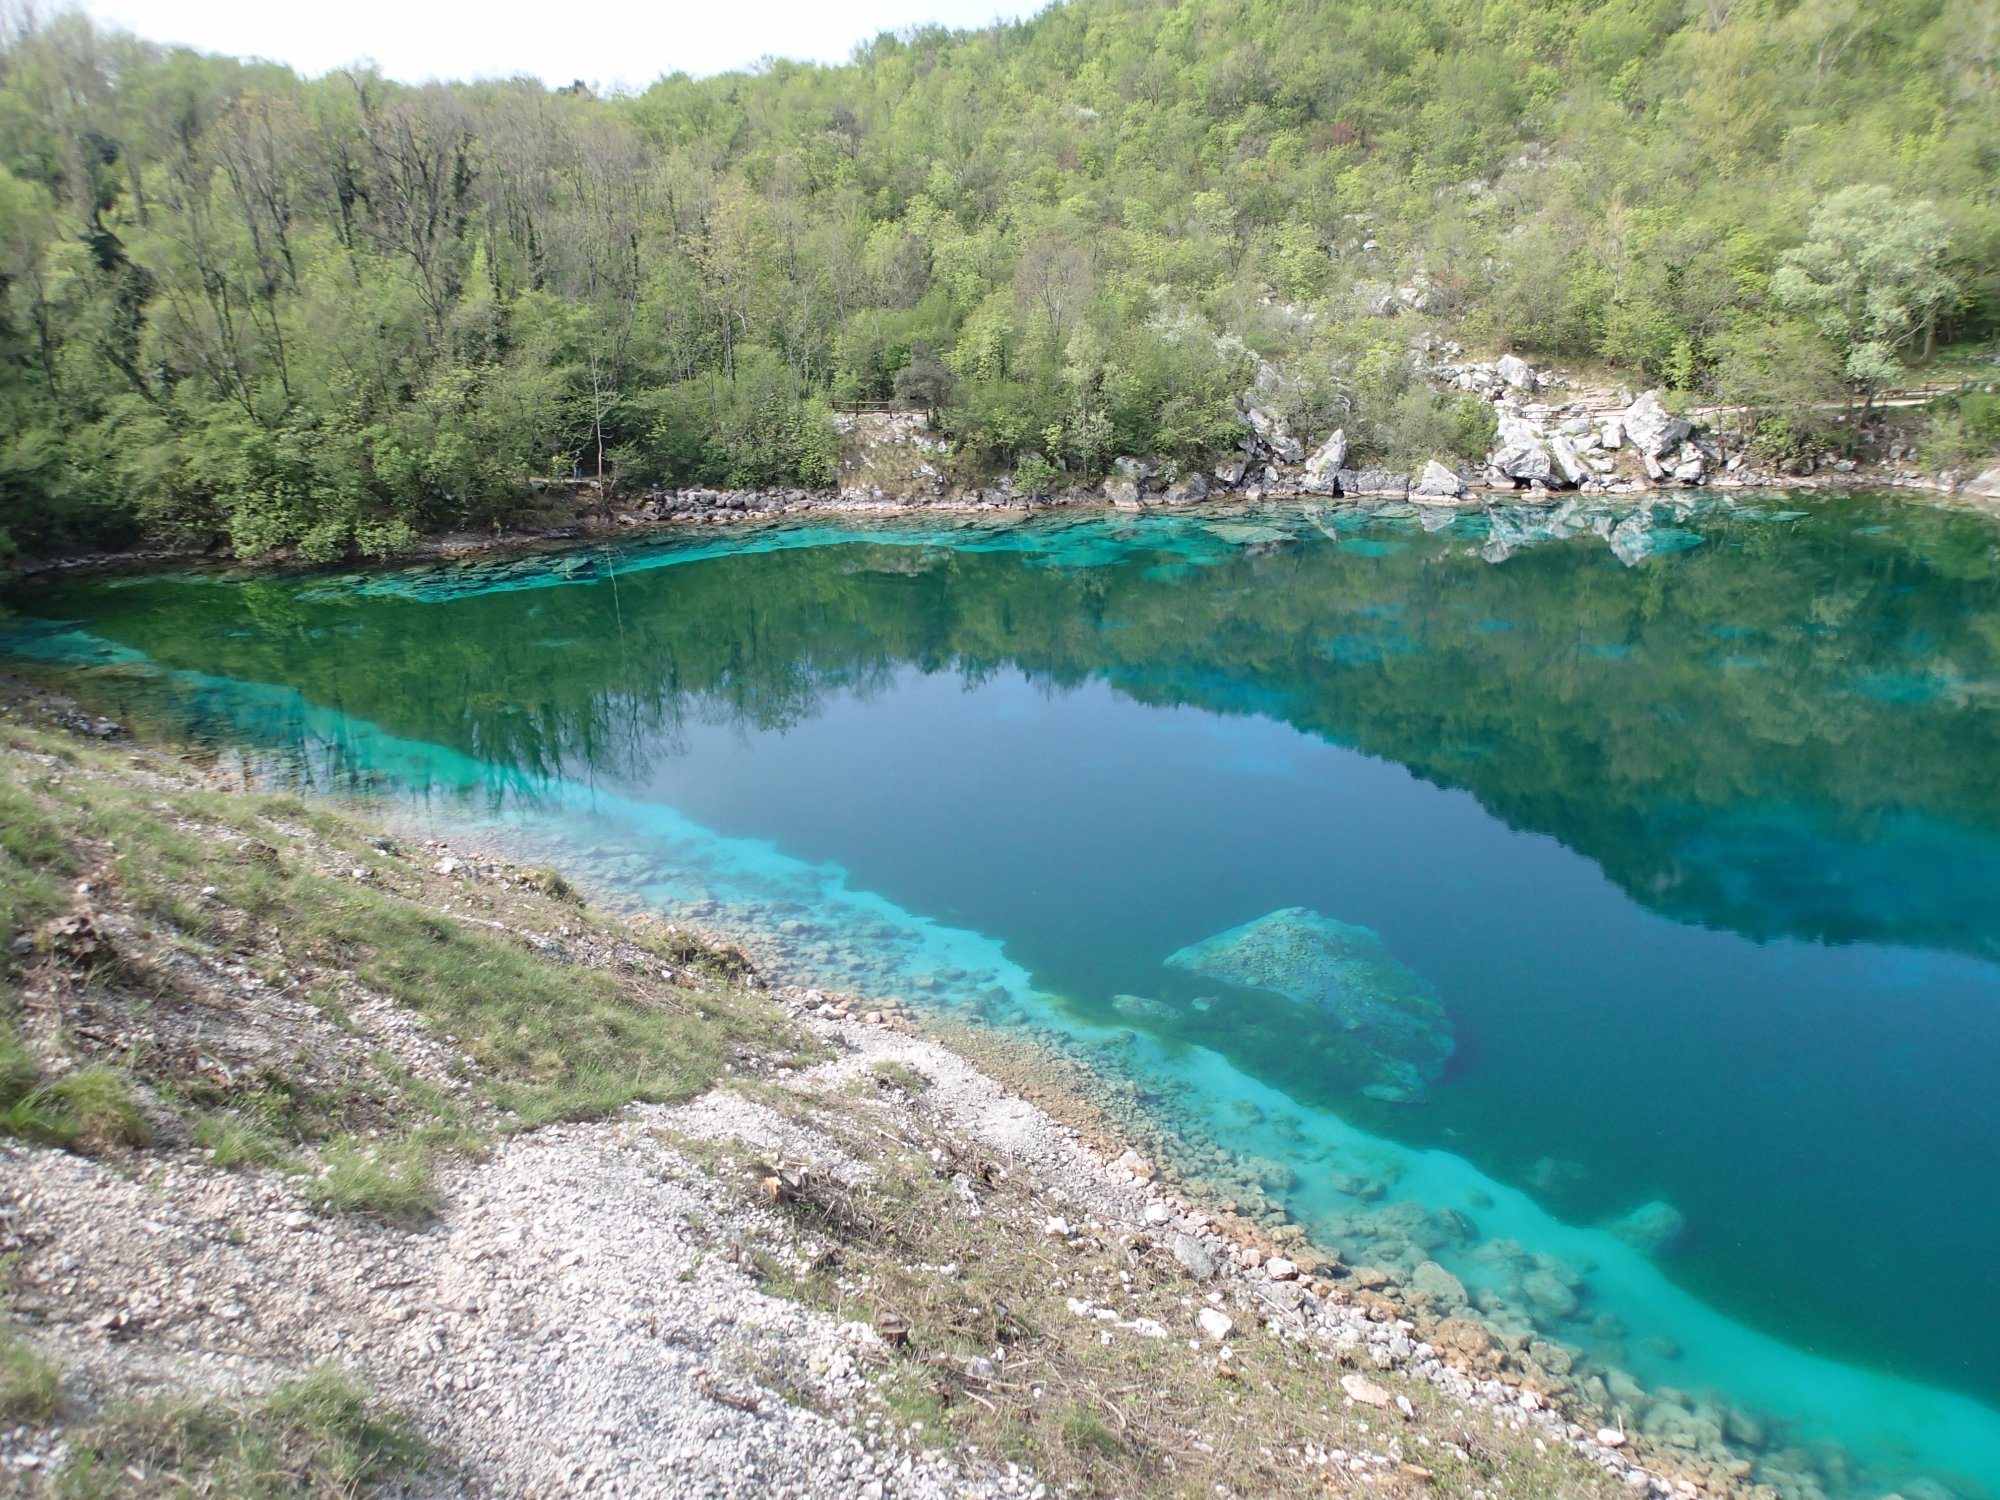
1687 817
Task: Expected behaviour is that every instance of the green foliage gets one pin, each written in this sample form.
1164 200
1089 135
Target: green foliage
1401 421
229 310
753 426
1871 269
1871 276
1786 378
1964 428
1035 475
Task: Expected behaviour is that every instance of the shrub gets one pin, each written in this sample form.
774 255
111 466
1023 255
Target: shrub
1035 475
1964 428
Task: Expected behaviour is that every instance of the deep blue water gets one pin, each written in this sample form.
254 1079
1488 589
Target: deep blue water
1689 824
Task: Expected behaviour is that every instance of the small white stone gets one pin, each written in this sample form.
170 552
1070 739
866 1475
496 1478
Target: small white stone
1215 1323
1057 1227
1610 1437
1364 1390
1158 1213
1280 1269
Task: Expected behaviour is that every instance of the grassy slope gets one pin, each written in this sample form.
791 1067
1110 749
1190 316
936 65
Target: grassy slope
182 969
138 903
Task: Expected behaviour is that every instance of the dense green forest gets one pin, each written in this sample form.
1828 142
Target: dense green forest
326 314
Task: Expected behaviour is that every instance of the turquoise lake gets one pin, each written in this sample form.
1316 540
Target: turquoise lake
1633 857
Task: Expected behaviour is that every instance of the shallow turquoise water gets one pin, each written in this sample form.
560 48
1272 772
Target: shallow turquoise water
1687 820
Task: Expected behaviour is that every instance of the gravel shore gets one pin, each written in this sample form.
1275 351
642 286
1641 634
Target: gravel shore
573 1320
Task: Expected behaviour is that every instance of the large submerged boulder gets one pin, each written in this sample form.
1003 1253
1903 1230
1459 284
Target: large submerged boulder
1652 1228
1400 1031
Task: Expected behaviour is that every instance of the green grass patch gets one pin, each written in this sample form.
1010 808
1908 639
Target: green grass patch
891 1074
551 1042
317 1437
386 1179
92 1109
236 1140
30 1385
18 1072
34 861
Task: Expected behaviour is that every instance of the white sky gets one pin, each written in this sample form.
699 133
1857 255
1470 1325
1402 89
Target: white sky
604 42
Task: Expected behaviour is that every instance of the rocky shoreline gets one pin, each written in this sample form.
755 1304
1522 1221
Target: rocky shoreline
1555 441
1224 1218
563 1327
699 508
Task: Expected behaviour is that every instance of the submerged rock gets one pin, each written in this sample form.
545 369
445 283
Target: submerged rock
1554 1174
1636 538
1433 1280
1651 1227
1143 1006
1247 534
1549 1295
1399 1032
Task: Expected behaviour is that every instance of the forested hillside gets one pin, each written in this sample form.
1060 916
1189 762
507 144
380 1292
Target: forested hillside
326 314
